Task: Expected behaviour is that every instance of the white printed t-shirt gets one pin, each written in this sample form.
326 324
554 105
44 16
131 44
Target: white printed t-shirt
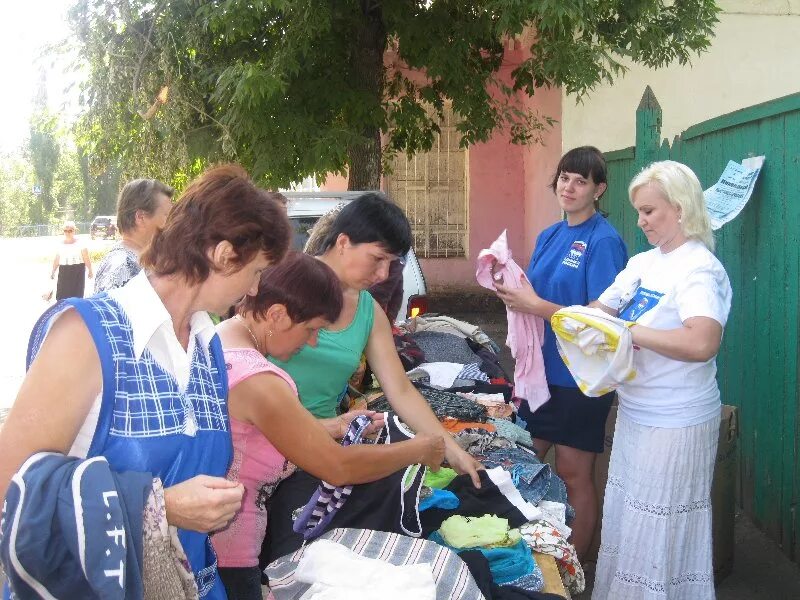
661 291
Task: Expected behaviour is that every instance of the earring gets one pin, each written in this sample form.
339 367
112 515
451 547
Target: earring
680 220
269 333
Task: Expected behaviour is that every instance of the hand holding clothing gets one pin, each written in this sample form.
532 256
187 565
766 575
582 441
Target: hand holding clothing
520 299
203 503
462 462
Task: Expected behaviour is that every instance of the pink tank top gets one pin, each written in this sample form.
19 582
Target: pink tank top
256 464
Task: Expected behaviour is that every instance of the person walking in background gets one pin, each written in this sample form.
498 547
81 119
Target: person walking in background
142 209
656 536
572 263
72 263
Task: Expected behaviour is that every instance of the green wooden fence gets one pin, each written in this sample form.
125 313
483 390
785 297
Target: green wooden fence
758 364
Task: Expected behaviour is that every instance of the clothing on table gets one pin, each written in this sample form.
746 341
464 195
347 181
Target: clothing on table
473 371
443 404
321 372
301 508
338 573
534 479
479 567
456 426
509 565
434 498
162 409
256 464
570 419
656 536
71 271
543 538
441 374
497 496
439 479
525 331
445 324
451 576
667 289
119 266
479 441
411 355
328 499
73 529
512 431
596 347
459 531
444 347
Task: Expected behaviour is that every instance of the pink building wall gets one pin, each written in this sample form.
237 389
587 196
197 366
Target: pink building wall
508 189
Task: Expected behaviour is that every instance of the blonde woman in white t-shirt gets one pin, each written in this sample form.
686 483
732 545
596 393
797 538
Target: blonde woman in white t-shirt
656 535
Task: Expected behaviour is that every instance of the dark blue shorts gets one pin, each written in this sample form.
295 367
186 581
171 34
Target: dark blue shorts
570 419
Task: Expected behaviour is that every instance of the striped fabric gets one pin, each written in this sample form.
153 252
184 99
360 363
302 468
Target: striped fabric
451 574
328 498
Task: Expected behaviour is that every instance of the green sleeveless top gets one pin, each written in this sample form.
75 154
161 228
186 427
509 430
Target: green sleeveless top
322 373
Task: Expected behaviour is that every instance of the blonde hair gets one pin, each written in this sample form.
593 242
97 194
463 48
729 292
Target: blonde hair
681 188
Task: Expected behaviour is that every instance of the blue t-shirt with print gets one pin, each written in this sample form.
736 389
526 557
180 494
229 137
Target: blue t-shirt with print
573 265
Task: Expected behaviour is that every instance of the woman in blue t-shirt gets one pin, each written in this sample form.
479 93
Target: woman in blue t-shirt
574 261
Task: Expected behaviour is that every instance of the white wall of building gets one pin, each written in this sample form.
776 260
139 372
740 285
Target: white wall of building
754 57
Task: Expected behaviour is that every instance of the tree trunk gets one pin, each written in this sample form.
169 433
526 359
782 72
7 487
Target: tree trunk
368 74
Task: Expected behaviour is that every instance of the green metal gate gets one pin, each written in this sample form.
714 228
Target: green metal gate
760 248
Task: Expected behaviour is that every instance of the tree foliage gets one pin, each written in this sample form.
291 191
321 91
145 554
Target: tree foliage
292 88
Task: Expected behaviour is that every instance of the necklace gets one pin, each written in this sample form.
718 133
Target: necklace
250 331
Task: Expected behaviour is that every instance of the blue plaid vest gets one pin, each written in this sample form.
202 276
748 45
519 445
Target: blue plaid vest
147 424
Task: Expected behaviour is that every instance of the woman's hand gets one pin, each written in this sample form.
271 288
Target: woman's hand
338 426
463 463
522 299
433 449
203 503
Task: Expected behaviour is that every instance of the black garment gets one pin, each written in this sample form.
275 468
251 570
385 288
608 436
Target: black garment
241 583
383 505
570 419
71 281
488 500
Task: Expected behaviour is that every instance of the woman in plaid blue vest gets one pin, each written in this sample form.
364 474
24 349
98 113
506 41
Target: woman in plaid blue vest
136 374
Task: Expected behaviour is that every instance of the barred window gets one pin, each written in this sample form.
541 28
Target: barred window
432 188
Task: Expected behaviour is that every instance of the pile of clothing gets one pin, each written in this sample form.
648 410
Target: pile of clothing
520 508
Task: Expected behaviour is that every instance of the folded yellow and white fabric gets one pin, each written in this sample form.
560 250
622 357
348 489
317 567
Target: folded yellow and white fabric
596 347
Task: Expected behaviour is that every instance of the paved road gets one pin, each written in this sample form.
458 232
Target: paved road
24 277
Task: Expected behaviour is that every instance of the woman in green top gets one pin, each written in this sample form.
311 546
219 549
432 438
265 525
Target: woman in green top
364 239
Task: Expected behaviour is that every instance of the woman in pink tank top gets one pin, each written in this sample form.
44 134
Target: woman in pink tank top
271 430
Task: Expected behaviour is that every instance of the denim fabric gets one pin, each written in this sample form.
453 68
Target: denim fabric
534 479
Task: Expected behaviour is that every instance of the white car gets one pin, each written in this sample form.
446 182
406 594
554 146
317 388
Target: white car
305 208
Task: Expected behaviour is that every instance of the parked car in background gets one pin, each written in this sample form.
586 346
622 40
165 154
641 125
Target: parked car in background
304 208
103 227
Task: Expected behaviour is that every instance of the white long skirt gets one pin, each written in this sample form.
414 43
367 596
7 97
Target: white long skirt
656 536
